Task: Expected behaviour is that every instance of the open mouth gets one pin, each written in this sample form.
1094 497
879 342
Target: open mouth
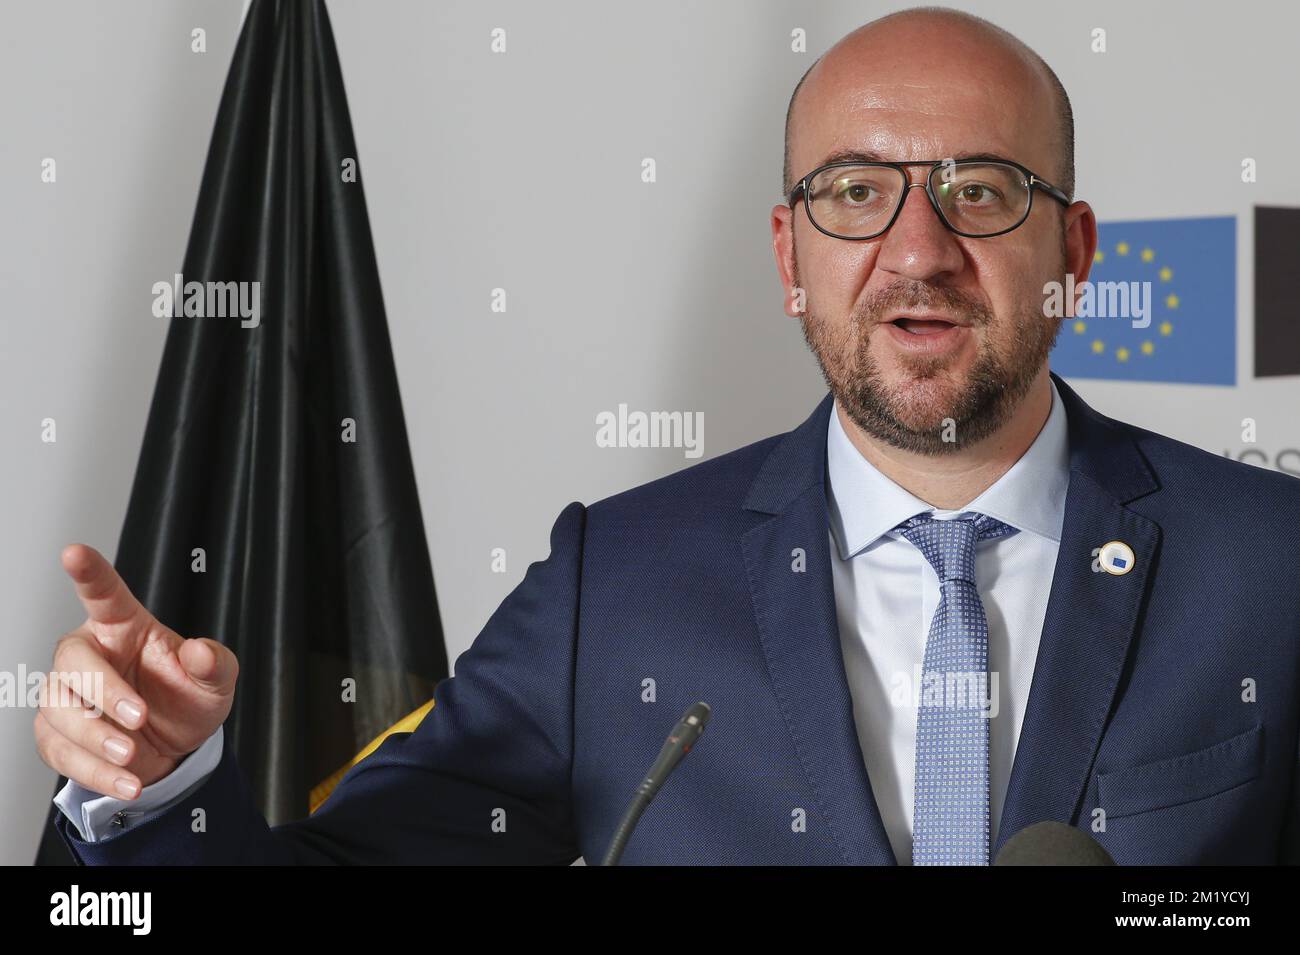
923 326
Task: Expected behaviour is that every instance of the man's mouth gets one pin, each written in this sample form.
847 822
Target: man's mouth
928 325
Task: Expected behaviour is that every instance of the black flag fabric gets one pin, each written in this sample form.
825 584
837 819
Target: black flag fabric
1277 314
274 505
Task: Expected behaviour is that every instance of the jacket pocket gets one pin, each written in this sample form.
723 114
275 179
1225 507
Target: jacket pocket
1181 779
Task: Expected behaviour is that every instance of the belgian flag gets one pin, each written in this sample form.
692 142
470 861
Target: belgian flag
274 506
1277 306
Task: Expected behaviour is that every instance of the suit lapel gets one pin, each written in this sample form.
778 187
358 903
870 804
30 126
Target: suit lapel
796 617
1090 622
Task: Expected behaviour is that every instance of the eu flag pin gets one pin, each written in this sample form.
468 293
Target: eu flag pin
1116 558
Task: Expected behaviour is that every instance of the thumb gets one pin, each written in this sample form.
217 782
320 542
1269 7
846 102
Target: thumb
211 665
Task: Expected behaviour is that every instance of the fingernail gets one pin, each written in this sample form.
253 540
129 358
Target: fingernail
127 788
116 747
128 712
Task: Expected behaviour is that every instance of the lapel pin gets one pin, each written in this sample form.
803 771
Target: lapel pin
1116 558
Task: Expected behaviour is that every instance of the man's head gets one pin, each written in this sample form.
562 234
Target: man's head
931 84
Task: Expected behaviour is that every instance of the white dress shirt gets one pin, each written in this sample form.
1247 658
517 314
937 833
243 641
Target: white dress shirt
97 817
886 594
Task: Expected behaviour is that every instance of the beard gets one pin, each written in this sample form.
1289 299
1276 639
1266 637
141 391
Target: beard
930 411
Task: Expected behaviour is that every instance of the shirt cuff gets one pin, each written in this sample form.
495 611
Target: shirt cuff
90 813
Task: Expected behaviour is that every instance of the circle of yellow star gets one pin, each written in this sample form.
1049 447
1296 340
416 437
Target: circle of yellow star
1080 327
1098 256
1166 328
1148 348
1147 255
1122 248
1098 347
1121 353
1166 274
1172 300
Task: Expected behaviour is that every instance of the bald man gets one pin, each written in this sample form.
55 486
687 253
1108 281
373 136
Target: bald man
954 602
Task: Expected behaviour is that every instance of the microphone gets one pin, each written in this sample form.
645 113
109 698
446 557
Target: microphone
1052 843
675 748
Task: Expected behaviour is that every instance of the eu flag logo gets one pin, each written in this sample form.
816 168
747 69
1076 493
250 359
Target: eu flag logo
1178 278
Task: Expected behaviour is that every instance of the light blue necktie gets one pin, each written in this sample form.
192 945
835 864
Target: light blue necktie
950 815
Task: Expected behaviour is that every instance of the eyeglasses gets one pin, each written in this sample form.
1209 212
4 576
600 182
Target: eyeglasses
975 198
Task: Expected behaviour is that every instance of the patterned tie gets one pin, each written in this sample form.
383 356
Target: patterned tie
951 804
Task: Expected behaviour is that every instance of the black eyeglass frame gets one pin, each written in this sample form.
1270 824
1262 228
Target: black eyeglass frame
1031 181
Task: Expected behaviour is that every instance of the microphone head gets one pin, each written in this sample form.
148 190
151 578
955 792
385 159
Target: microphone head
690 726
698 713
1052 843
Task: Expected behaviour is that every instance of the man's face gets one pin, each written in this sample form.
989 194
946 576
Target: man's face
898 375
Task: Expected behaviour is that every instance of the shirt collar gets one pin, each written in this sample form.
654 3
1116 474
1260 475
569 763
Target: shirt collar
1030 496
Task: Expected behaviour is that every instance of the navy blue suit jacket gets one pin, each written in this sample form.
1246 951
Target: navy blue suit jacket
1165 697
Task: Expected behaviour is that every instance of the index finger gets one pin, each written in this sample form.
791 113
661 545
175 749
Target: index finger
102 591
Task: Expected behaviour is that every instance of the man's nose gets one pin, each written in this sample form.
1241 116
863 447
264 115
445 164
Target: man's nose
918 245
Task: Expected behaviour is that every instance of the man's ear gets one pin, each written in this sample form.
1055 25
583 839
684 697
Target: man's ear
783 250
1080 240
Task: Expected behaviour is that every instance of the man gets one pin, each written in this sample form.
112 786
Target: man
952 603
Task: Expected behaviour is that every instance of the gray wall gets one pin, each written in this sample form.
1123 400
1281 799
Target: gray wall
522 171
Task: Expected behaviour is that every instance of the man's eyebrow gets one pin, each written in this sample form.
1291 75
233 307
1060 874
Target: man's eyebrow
867 155
852 155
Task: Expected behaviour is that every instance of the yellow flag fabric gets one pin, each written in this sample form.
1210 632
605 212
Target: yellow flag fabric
406 724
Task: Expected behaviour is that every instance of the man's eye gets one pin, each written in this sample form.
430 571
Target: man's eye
977 194
857 193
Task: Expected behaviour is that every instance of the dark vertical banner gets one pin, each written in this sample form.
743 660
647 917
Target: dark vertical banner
274 506
1277 306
